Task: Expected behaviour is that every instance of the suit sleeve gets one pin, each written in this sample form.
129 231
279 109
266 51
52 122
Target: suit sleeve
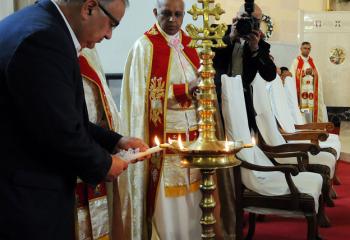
105 138
48 96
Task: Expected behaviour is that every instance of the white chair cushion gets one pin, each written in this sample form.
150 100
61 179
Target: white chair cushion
306 182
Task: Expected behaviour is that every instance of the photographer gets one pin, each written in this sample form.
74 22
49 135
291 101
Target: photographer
246 54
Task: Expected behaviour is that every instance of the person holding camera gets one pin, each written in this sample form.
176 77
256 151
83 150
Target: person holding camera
246 54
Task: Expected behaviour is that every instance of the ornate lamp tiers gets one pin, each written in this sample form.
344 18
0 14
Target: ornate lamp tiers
207 152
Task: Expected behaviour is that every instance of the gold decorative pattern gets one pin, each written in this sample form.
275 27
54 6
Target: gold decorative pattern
153 31
157 93
337 56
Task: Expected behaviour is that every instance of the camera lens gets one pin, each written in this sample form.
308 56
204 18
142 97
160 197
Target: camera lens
244 26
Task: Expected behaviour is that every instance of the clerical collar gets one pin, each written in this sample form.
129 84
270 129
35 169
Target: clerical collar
74 37
305 58
167 37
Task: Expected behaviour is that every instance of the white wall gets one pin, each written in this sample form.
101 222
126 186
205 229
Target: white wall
284 53
284 14
6 8
138 19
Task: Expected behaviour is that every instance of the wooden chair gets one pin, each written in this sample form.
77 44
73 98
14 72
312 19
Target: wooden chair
290 92
281 110
294 204
271 135
261 186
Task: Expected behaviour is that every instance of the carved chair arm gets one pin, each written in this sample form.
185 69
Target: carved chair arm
291 147
313 136
328 126
302 158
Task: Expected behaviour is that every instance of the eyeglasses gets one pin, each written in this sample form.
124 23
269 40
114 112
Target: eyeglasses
169 14
114 22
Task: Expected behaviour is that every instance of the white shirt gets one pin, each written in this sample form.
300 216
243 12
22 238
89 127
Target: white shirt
74 37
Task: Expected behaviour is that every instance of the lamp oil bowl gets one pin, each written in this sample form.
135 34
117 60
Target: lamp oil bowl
208 155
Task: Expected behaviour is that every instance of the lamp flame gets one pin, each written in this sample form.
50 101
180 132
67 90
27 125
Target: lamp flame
156 140
227 148
179 141
253 141
170 141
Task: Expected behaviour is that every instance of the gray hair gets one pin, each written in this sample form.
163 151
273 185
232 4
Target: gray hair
158 3
126 2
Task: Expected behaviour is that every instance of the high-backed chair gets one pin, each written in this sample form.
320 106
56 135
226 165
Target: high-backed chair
262 187
333 140
279 104
323 162
292 100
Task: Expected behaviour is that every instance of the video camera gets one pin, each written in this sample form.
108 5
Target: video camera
247 23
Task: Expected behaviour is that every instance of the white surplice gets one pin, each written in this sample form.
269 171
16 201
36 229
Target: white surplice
175 218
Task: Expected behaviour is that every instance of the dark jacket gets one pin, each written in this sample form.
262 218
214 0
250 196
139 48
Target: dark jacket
46 140
261 63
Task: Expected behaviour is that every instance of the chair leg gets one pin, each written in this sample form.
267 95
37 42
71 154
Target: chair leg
251 228
326 191
333 193
312 228
336 180
322 218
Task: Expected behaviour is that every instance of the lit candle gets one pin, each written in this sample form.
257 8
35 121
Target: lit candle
227 146
179 141
253 141
145 153
158 148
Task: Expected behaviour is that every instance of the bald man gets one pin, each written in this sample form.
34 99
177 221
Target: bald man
245 56
160 76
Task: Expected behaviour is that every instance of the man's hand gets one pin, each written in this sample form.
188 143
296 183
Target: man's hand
117 167
234 33
253 40
132 142
126 143
309 71
192 86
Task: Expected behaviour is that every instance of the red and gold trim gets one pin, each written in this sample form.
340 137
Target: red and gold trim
88 72
157 100
181 94
315 114
87 195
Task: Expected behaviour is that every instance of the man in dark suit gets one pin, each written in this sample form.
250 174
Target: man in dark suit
245 56
46 140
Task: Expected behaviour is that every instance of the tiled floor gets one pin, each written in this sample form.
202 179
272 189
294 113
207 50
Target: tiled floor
345 141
